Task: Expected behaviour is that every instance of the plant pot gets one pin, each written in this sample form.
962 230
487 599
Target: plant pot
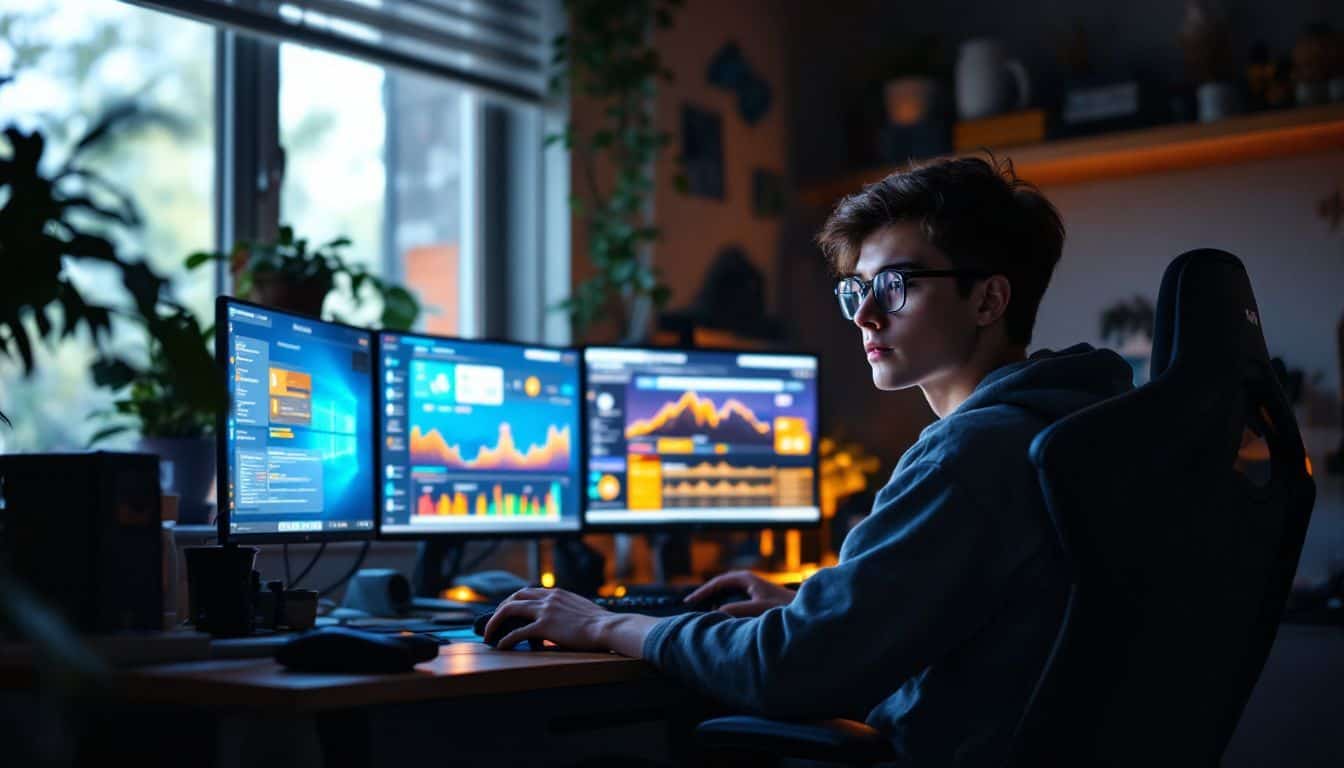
186 468
305 297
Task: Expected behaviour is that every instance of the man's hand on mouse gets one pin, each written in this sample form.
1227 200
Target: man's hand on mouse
764 594
569 621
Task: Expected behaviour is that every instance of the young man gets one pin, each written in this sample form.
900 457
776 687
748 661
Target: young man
936 622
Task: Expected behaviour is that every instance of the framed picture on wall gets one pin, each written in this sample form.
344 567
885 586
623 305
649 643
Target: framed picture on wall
702 151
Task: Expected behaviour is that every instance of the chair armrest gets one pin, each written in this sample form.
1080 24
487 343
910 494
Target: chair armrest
846 741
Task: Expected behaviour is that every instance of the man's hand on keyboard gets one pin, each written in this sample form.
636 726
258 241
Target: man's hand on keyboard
762 595
569 621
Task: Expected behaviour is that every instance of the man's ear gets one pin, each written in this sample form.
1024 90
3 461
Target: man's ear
995 294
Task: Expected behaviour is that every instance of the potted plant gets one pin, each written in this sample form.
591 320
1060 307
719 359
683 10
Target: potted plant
47 220
286 274
609 59
1128 327
172 402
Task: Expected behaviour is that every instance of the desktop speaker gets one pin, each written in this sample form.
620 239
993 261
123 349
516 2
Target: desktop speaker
83 532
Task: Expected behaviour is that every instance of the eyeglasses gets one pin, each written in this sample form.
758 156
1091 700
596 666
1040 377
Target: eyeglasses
888 288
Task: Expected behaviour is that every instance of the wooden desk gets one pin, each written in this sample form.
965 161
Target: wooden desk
473 705
462 669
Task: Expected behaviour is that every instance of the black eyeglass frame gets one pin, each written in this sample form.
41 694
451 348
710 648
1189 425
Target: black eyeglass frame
866 286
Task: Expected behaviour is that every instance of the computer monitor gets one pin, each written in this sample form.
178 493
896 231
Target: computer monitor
478 438
296 451
700 438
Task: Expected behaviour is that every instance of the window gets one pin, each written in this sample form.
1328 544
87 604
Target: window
376 156
69 70
381 111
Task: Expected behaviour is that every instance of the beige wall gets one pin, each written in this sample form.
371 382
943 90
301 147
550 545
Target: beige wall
694 229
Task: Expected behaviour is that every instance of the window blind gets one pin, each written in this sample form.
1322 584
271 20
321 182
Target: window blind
500 46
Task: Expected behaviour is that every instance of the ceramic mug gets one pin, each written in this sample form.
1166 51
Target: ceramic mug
983 75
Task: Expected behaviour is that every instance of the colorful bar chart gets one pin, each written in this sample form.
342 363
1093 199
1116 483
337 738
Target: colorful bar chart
496 503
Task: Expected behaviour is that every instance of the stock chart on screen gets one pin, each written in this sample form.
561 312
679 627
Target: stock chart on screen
478 437
700 437
299 439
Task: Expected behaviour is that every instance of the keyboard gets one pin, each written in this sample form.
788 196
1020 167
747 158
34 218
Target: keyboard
649 605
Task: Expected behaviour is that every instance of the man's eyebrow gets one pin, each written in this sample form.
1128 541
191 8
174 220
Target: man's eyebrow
894 265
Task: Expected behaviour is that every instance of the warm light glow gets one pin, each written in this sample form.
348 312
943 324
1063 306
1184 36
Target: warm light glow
619 591
548 580
462 594
1309 466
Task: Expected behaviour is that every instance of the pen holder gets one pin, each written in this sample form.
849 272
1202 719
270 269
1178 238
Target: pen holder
221 589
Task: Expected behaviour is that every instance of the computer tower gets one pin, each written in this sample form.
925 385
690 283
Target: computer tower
83 532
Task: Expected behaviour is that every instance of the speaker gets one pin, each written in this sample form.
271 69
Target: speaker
82 530
378 592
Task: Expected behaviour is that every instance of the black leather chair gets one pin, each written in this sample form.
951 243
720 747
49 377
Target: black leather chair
1182 507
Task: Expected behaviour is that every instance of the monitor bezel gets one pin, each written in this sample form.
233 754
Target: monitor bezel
706 525
576 475
222 514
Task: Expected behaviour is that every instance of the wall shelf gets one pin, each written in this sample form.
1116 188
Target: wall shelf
1187 146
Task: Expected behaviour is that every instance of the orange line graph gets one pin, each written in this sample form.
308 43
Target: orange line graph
704 412
431 448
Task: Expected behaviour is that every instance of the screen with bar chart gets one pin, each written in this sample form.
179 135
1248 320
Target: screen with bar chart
478 438
700 437
297 439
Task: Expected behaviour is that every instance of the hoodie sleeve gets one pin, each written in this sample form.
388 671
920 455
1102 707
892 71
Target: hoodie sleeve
914 583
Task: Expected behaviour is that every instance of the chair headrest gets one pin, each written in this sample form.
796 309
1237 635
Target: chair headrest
1207 317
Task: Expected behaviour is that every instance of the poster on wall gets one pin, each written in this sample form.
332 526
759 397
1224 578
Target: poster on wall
702 151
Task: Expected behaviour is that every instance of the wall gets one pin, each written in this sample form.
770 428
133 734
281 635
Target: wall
694 229
1123 233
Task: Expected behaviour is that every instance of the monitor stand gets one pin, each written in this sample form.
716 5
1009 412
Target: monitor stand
427 577
671 555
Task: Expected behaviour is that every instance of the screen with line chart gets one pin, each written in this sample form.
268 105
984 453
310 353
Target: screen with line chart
479 438
700 437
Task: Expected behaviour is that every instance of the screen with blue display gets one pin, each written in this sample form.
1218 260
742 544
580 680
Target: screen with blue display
298 441
478 437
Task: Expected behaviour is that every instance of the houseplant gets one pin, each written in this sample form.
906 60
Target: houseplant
172 402
608 61
49 219
288 274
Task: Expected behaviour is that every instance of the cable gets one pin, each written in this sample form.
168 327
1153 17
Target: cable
359 561
306 569
293 581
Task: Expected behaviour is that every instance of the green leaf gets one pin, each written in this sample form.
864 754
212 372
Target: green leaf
107 432
201 257
400 309
113 373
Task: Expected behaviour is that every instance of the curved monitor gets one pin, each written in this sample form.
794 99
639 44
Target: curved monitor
479 438
700 438
296 449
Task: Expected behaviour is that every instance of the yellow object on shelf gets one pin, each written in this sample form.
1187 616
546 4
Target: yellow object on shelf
1012 129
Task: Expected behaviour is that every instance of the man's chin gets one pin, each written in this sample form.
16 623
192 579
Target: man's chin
890 381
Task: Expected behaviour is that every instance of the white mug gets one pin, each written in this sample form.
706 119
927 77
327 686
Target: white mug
983 72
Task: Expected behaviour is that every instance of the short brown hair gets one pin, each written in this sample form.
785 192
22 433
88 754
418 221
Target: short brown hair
976 211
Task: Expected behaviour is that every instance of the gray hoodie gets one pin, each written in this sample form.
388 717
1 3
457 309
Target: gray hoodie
935 623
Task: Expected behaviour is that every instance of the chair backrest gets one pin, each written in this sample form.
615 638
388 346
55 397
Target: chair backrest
1182 506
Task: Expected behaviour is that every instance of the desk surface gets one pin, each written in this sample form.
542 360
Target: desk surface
461 669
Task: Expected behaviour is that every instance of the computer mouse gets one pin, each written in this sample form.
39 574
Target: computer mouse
494 585
346 650
479 628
